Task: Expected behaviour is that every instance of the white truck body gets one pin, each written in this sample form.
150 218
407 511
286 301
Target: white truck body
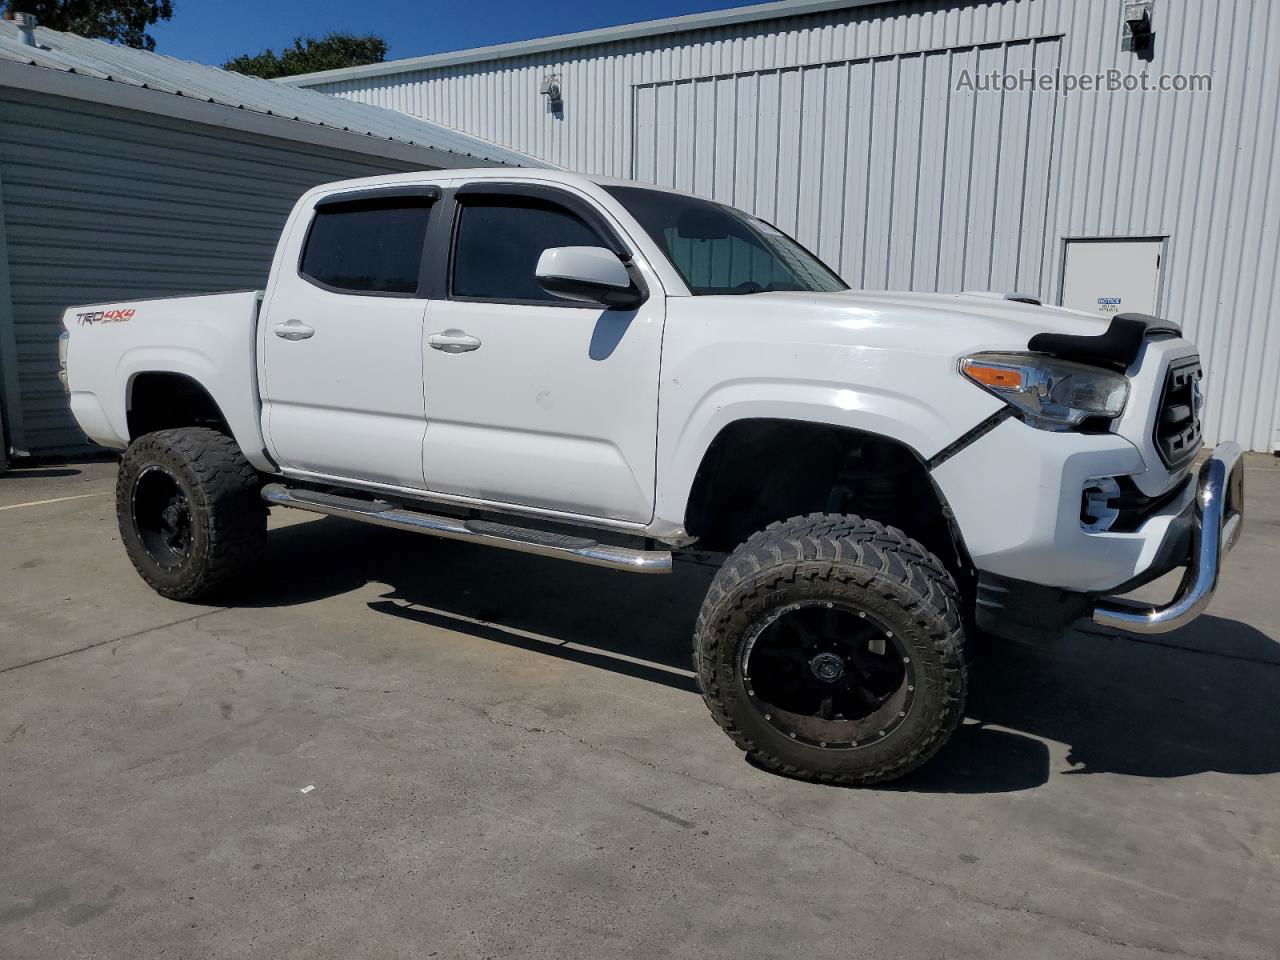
583 415
610 373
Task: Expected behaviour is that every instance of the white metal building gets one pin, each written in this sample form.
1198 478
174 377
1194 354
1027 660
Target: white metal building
127 174
859 128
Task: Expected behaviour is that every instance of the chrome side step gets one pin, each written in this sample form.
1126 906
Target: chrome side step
521 539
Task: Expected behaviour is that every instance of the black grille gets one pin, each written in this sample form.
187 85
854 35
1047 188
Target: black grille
1177 433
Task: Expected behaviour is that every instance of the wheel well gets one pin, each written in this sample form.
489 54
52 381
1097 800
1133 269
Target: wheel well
759 471
160 401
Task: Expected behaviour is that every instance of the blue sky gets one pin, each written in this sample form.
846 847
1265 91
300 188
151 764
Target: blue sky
213 31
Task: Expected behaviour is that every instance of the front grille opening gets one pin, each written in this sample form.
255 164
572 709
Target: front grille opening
1177 431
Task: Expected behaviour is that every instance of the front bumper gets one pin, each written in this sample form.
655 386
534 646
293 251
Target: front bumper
1216 521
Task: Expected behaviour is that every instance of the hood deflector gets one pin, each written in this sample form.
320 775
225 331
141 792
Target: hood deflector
1117 348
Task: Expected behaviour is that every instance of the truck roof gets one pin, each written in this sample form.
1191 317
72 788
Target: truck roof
505 174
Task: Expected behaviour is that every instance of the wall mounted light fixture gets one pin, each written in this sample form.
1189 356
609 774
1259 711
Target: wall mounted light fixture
551 90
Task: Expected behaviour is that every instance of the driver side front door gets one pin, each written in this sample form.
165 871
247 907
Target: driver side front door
535 401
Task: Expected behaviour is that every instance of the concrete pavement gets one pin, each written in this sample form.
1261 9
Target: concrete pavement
509 760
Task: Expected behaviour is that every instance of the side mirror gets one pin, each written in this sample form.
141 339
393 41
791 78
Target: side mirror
589 275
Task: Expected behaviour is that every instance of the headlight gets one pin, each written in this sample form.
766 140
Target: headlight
1049 394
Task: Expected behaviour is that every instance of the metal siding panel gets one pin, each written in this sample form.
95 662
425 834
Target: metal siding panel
859 161
643 144
881 172
785 178
1011 174
853 239
953 240
765 202
829 195
983 178
103 203
746 138
11 428
904 193
930 187
726 118
1037 245
702 155
811 143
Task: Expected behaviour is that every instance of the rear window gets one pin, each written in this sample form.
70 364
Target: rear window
371 247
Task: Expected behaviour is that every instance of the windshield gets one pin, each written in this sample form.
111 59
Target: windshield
720 250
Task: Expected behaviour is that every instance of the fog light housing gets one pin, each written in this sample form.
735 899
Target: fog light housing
1098 504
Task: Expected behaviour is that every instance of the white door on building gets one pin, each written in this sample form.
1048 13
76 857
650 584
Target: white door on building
1112 276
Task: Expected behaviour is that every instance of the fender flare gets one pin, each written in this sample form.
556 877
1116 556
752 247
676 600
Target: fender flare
240 413
896 417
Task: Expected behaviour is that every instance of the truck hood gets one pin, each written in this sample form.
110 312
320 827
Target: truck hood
962 322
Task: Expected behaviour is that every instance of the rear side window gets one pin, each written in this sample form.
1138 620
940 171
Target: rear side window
368 246
498 245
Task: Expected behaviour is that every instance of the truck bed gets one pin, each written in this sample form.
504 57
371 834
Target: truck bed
208 339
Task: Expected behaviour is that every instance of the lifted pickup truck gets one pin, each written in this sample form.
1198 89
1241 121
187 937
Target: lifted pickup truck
611 373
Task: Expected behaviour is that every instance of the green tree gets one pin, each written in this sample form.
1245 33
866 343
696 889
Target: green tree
309 54
120 21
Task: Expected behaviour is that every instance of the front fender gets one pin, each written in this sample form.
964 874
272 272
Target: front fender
923 426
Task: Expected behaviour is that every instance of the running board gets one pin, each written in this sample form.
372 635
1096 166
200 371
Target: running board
521 539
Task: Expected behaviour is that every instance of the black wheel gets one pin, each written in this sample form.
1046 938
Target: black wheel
831 648
189 511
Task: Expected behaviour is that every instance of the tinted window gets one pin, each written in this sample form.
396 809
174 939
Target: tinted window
499 243
719 250
368 246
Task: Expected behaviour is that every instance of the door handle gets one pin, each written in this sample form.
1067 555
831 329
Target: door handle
293 330
453 341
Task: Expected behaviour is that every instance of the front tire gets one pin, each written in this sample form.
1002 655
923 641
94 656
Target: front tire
189 512
830 648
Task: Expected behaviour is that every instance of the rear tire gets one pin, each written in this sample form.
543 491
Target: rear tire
831 648
189 511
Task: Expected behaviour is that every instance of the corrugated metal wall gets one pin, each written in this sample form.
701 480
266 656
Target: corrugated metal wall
100 203
1200 169
840 154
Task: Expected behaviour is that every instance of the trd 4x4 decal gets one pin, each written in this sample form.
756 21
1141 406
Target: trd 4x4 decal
105 316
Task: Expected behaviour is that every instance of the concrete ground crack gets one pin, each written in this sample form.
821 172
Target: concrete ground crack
105 643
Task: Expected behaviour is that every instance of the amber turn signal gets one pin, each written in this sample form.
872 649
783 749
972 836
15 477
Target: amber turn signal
1001 378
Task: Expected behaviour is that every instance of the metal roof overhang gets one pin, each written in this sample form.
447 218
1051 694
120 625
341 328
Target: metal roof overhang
129 97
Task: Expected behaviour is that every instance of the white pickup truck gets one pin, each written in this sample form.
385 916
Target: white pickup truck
611 373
